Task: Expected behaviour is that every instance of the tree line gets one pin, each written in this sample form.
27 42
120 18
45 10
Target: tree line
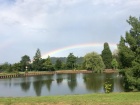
91 61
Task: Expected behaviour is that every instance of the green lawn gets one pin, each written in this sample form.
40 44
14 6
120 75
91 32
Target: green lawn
132 98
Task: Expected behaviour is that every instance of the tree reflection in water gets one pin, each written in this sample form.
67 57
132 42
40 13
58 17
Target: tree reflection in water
93 82
37 87
72 81
41 81
59 79
25 84
61 84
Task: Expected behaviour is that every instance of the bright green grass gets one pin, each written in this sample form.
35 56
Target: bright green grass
132 98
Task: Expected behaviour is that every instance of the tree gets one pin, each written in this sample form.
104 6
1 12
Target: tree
48 65
6 67
107 56
25 62
129 55
115 55
37 64
58 64
94 62
126 55
64 66
79 63
114 63
71 61
16 67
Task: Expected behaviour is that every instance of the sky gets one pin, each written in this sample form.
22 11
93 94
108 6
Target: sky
57 26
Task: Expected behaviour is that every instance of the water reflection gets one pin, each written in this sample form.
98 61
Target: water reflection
48 84
72 82
59 79
25 85
93 82
7 83
41 81
118 83
60 84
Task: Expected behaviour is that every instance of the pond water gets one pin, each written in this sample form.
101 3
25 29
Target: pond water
60 84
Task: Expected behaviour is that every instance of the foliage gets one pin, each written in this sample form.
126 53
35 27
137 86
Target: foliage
37 55
48 65
64 66
114 63
37 61
94 62
126 55
78 65
16 67
58 64
107 56
25 62
79 62
6 67
108 86
71 61
129 55
115 55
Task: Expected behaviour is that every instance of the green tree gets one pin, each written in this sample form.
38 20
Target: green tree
94 62
79 63
129 55
37 61
6 67
64 66
48 65
25 62
107 56
126 55
16 67
114 63
115 55
58 64
71 61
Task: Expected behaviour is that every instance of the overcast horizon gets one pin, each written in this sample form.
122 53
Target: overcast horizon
26 25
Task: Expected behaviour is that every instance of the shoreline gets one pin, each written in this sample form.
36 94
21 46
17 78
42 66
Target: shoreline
37 73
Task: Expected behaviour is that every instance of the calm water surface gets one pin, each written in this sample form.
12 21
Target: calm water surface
59 84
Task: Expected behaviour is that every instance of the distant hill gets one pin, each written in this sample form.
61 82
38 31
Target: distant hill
64 59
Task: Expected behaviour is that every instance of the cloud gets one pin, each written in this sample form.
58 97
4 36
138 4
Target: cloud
26 25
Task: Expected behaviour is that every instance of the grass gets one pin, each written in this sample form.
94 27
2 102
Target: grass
132 98
58 71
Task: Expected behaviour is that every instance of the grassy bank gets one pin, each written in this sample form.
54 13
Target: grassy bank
87 99
58 71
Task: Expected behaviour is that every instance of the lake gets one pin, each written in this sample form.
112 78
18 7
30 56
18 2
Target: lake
60 84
